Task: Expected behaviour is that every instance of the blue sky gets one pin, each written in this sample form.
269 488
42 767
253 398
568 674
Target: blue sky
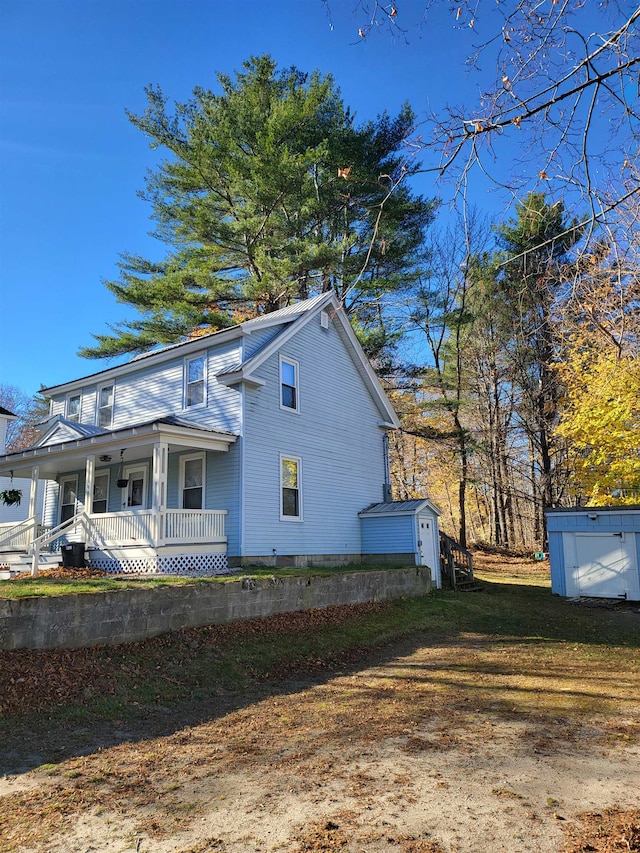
71 163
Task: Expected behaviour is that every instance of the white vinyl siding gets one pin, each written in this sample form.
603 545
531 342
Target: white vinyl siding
154 392
337 436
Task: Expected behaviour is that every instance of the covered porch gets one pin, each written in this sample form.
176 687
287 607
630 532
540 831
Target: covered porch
135 497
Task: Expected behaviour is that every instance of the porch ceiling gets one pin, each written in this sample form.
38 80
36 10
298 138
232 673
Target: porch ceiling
136 442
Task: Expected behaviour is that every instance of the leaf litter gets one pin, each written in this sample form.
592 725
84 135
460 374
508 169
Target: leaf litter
429 747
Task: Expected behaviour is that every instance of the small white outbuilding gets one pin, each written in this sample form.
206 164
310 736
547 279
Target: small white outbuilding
595 551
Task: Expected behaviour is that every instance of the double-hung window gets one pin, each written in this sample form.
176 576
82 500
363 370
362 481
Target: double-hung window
73 408
101 491
195 382
289 397
105 406
290 488
192 481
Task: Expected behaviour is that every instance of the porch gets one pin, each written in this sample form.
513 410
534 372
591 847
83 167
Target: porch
129 541
123 510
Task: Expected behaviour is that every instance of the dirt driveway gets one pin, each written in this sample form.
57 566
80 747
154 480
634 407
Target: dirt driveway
434 746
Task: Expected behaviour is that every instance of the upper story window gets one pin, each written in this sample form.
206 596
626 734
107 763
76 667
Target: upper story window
290 488
289 398
73 408
194 382
105 406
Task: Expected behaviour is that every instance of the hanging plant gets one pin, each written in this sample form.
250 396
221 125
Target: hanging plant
11 497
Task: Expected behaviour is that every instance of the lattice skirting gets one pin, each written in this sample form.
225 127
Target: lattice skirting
195 565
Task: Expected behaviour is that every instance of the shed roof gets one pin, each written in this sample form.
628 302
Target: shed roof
400 507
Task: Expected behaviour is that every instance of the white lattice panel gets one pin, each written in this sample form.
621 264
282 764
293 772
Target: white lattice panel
175 564
139 566
193 564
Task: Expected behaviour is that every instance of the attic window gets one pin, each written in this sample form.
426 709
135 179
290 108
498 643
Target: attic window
289 384
73 408
194 382
324 319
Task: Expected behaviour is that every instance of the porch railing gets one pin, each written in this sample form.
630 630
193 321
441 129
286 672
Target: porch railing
121 528
17 537
140 527
189 525
76 525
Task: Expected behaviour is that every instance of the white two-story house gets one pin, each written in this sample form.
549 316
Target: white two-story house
256 444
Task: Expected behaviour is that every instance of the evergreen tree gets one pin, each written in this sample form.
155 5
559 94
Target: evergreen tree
271 193
537 244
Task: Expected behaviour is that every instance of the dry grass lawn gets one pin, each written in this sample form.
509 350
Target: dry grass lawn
437 741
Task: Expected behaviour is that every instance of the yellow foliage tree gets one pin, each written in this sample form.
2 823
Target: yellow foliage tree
601 424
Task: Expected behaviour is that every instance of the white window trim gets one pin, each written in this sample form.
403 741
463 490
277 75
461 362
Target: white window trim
126 474
70 478
101 472
66 407
185 390
298 460
189 457
111 385
296 367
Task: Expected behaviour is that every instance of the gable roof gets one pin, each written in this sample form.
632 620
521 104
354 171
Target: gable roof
69 429
6 413
274 318
305 312
294 317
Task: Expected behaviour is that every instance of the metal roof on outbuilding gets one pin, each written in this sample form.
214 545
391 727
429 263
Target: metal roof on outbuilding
400 507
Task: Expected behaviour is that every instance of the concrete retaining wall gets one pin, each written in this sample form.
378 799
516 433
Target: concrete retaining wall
127 615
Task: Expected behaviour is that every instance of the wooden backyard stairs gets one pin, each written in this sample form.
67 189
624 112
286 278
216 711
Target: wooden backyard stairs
456 565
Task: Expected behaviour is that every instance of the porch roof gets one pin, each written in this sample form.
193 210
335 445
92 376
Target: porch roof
71 454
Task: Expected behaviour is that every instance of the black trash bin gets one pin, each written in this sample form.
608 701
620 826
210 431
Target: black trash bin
73 555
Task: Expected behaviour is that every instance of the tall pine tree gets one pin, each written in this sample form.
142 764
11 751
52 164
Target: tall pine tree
270 194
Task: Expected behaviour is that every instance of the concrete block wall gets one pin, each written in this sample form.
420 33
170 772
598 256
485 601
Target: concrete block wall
129 615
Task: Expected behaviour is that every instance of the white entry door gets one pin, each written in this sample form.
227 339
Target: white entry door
134 495
427 547
605 565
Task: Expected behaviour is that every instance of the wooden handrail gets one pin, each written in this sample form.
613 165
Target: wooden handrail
454 559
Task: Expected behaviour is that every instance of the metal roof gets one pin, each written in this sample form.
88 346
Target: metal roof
399 507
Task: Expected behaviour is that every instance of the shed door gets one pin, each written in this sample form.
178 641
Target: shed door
605 565
426 542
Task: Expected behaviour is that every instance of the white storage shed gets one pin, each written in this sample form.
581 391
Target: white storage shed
595 551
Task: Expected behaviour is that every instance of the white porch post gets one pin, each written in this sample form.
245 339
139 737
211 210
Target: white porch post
33 494
89 484
33 497
159 488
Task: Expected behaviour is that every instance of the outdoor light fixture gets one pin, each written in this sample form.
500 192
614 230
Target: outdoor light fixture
105 458
593 516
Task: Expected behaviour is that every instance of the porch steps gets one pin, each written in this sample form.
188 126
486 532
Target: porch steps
19 562
457 566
